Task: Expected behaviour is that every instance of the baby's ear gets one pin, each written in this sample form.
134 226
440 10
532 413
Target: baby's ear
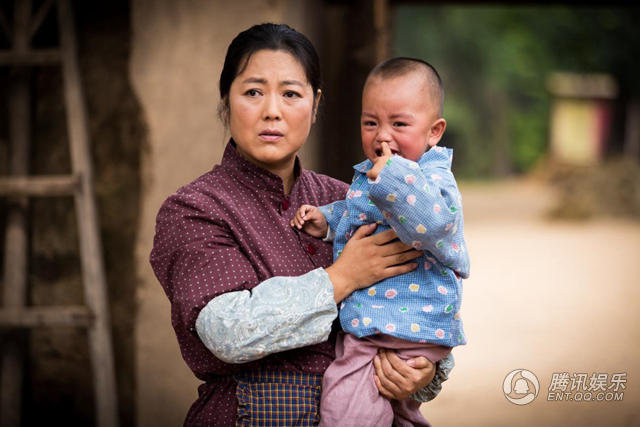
436 131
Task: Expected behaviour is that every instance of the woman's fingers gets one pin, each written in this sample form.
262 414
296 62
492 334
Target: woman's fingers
390 381
397 378
377 364
394 248
381 389
405 256
364 230
398 269
366 260
420 363
392 253
384 237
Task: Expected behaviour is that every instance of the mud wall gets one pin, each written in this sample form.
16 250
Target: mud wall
178 51
58 383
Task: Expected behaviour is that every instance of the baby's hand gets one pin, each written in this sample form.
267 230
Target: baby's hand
380 162
310 220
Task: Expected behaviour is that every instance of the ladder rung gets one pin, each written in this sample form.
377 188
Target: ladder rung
30 57
43 185
33 317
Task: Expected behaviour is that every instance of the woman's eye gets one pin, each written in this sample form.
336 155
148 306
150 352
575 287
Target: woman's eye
252 92
291 94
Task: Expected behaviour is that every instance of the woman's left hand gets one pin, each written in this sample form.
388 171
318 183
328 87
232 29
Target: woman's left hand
397 378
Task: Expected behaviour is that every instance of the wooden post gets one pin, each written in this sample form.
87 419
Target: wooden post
632 131
352 48
93 274
16 239
381 27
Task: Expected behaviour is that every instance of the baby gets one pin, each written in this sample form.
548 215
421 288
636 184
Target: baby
406 183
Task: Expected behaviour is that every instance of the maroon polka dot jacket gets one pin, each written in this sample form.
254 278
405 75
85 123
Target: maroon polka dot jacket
228 231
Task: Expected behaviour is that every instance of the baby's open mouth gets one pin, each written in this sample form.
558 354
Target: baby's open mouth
379 152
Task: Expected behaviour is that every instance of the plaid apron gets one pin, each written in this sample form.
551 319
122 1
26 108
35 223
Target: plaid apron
278 399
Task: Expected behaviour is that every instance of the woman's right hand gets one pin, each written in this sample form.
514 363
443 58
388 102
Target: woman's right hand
367 259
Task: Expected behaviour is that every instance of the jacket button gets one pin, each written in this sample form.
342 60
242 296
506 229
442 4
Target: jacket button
285 204
311 249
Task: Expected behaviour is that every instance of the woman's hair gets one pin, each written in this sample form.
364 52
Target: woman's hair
270 37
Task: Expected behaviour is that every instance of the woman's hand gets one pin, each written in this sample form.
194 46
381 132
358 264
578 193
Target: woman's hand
366 260
397 378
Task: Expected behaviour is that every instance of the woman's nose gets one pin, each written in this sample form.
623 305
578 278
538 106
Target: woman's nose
271 108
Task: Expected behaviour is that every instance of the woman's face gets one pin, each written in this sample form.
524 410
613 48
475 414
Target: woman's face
271 109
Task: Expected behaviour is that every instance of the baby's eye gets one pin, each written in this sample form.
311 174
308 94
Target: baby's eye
400 124
369 123
291 94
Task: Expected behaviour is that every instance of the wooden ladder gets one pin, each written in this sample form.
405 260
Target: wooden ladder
15 316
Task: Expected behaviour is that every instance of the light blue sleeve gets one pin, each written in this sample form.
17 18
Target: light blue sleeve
333 212
423 205
281 313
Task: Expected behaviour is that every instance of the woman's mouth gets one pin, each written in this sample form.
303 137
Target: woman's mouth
271 135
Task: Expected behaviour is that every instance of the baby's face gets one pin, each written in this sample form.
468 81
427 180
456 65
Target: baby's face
399 111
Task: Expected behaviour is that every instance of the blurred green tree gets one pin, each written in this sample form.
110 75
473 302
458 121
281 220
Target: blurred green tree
495 60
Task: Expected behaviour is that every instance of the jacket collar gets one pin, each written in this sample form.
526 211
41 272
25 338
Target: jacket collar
253 175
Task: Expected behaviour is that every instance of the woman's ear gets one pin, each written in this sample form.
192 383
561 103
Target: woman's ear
436 131
316 103
223 110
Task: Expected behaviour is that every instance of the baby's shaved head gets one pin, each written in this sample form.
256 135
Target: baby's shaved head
401 66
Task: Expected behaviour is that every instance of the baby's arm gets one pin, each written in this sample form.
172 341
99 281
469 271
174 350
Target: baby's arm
424 207
310 220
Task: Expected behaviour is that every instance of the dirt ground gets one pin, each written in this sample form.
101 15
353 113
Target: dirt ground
551 297
546 296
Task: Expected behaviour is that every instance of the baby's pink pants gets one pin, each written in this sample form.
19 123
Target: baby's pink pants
349 393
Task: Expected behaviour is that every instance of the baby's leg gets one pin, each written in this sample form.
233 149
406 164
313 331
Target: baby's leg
349 393
407 412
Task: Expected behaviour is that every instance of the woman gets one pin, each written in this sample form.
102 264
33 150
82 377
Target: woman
253 301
